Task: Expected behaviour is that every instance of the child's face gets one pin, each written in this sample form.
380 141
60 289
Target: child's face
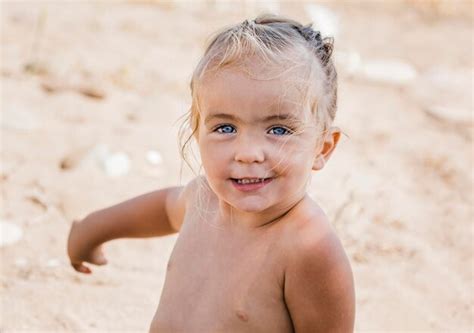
255 129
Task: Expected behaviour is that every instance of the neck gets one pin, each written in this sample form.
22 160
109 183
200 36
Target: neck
254 220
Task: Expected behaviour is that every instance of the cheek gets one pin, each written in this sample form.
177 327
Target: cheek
213 157
296 154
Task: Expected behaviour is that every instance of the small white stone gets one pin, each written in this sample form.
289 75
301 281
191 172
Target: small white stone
154 157
53 263
117 164
9 233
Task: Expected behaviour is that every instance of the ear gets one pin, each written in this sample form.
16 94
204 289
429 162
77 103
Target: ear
329 144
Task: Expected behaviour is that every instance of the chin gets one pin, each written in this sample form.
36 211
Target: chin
250 206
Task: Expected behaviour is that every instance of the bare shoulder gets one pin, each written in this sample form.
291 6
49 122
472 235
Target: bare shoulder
179 199
319 287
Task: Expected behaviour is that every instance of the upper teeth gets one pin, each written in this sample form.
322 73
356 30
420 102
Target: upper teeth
249 180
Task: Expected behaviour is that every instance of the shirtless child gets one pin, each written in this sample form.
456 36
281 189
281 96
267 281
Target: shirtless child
255 253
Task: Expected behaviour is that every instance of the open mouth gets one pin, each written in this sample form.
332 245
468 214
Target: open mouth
249 180
250 184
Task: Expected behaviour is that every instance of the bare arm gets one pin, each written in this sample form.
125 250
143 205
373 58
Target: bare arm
319 288
158 213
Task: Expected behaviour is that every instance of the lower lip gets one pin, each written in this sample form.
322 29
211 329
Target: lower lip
251 186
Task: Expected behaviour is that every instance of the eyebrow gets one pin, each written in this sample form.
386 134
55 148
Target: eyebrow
283 116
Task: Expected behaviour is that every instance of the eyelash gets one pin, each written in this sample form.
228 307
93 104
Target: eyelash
287 130
222 126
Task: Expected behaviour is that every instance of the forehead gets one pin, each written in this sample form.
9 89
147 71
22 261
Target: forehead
235 91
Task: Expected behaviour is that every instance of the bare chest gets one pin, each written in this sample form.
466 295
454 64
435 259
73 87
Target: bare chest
221 281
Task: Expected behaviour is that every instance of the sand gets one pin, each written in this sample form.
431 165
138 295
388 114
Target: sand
90 100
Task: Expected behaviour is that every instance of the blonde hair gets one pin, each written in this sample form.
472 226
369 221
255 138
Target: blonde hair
269 38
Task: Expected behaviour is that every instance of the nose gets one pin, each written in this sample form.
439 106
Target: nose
249 150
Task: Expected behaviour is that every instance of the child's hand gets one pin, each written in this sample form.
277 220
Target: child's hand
79 251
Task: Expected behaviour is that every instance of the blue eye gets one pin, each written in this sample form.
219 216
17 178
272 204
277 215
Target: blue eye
278 130
225 129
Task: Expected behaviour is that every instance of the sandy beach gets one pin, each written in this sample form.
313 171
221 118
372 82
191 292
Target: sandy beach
91 99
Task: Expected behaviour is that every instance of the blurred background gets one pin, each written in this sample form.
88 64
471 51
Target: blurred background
91 97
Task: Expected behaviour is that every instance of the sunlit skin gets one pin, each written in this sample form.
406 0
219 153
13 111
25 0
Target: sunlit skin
268 259
255 128
247 259
276 265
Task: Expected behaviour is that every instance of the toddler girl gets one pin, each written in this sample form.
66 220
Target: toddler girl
255 253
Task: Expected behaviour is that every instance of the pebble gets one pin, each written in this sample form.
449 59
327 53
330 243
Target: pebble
9 233
154 157
53 263
116 165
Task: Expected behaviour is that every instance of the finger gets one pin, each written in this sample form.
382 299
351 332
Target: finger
81 268
99 260
84 269
98 257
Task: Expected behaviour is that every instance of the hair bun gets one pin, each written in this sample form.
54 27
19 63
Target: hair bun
312 36
322 46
